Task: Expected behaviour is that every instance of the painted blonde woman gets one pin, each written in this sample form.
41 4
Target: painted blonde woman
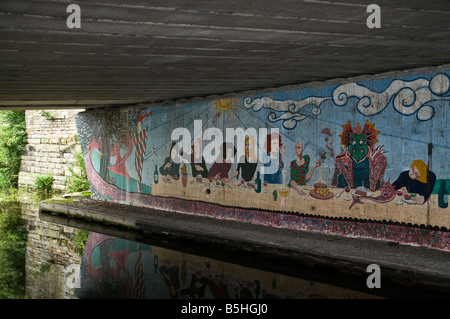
417 183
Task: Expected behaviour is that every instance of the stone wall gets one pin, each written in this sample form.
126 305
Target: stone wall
52 141
51 261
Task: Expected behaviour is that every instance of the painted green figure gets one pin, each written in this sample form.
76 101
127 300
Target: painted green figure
359 164
358 147
361 173
359 150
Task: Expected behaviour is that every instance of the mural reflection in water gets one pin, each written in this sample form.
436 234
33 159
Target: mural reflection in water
119 268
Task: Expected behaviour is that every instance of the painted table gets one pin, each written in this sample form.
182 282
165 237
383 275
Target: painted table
234 193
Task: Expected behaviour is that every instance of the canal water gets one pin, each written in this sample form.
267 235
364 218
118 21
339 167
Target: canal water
60 261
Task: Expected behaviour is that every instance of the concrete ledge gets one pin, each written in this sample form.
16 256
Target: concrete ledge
406 271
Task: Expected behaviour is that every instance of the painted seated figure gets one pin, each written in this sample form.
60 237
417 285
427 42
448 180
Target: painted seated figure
417 182
359 164
170 167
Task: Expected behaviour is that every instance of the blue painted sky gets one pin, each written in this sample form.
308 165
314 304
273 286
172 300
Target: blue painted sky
404 136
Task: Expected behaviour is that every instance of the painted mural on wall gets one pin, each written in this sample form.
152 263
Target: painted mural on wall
118 268
376 149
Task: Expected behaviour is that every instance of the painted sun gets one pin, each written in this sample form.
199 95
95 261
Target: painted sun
225 105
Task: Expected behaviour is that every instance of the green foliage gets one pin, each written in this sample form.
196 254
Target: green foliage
13 237
13 138
47 114
44 182
80 240
44 269
77 181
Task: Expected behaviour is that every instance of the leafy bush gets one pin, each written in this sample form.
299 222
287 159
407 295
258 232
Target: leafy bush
77 181
44 182
80 240
13 138
48 115
13 237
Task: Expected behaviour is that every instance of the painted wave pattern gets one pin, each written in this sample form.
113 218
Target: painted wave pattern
407 98
291 111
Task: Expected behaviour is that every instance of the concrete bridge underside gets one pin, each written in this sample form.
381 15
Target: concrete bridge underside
139 51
